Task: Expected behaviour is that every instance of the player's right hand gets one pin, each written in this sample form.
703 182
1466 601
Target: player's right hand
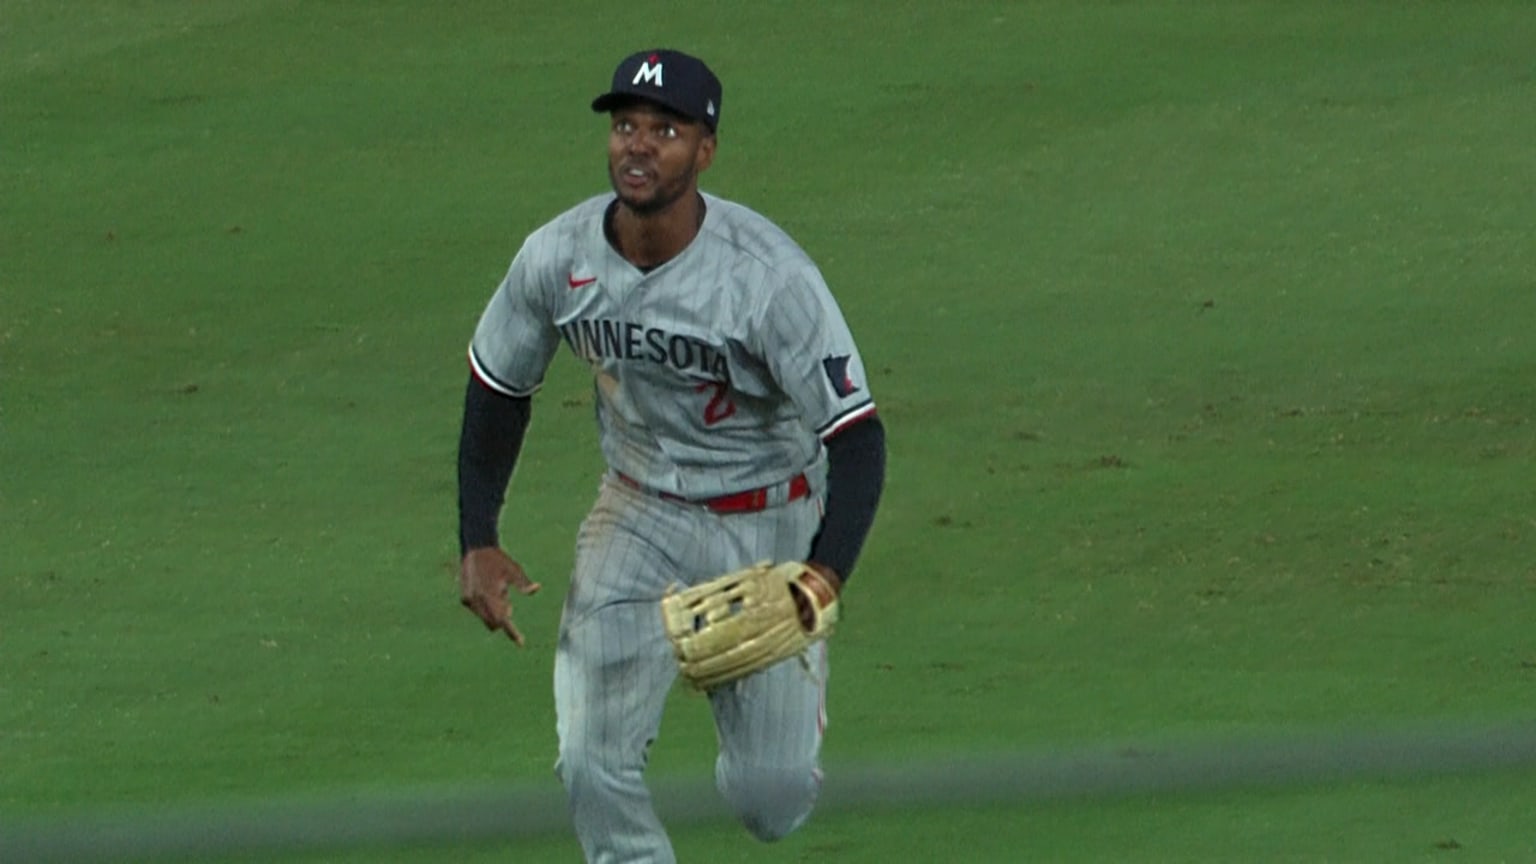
484 576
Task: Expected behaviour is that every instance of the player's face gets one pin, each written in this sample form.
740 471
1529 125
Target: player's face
655 157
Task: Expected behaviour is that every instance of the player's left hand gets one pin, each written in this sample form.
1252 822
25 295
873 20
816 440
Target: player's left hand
828 589
749 619
485 574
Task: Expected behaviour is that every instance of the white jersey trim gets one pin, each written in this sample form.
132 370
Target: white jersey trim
490 380
846 419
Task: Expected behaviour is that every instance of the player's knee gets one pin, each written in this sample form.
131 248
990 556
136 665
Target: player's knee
770 800
585 772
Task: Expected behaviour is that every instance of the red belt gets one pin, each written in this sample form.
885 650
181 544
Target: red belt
749 501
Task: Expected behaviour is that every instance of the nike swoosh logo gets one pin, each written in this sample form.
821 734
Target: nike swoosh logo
580 283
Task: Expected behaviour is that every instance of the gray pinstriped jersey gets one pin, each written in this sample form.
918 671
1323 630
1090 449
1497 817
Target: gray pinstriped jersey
719 371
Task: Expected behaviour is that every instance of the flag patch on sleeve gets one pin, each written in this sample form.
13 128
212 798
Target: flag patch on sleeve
837 374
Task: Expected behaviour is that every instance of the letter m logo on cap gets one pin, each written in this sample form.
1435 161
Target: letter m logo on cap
649 71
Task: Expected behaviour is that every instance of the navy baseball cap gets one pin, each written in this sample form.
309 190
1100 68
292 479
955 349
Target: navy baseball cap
671 79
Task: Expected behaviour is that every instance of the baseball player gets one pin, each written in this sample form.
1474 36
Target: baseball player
735 418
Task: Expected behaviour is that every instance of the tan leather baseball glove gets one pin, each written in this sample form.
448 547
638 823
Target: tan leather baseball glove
749 619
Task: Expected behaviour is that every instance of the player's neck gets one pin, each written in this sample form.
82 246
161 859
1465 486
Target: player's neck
648 240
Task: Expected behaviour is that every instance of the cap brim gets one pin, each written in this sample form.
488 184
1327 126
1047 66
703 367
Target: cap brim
610 101
620 99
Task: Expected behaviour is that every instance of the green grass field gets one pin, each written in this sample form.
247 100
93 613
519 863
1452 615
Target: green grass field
1203 335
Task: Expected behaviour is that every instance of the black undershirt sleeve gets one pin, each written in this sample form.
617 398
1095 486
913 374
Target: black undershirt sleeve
855 478
489 442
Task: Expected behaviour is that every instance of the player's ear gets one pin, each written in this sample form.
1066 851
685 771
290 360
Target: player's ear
706 151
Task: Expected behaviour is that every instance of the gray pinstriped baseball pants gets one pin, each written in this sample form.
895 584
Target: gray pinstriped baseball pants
614 668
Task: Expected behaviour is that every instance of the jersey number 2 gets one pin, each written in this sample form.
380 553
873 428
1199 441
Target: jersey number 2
720 405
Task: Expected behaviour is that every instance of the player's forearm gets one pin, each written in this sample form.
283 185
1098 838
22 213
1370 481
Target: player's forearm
855 478
489 442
